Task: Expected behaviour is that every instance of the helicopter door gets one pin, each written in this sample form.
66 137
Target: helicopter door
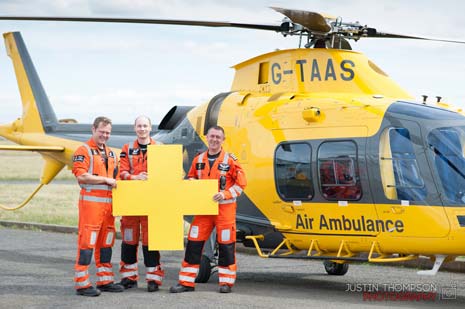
407 181
213 109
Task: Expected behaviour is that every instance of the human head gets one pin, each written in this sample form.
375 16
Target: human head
143 127
101 130
215 139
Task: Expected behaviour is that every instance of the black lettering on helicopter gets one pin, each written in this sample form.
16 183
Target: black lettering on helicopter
276 76
348 70
345 224
330 70
305 223
316 71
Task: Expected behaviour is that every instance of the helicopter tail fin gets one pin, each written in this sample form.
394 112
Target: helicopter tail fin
37 112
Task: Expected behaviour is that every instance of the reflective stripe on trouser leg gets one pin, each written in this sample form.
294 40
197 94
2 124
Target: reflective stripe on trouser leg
128 264
129 271
81 276
155 274
227 275
104 274
188 273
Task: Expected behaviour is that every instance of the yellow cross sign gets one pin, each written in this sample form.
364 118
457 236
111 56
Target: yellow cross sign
165 197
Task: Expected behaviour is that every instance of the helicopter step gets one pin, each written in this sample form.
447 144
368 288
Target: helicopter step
343 254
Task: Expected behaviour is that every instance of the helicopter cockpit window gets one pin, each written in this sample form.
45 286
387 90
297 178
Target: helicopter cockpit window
338 172
399 167
292 171
447 145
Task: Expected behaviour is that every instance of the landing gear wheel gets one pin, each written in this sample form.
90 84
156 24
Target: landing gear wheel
336 269
204 270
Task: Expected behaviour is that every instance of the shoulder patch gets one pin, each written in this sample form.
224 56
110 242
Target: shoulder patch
122 155
233 156
78 159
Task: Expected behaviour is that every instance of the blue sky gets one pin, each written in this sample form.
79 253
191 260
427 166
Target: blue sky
122 71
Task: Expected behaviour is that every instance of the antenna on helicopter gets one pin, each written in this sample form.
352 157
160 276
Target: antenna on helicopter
424 98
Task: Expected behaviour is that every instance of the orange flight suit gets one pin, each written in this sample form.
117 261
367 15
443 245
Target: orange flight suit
133 161
225 166
96 222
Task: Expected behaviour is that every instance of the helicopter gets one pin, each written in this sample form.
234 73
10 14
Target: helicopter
343 165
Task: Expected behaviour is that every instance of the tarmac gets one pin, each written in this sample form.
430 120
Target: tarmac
422 263
36 268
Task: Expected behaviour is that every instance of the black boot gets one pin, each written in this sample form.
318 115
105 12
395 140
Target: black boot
179 288
111 287
90 291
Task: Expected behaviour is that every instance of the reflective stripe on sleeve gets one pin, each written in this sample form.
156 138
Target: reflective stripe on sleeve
231 200
233 192
237 188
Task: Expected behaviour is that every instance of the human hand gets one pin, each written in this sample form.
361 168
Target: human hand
218 197
111 182
141 176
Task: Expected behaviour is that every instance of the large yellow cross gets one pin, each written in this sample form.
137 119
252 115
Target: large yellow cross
165 197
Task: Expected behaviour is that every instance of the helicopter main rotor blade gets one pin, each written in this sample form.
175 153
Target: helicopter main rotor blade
180 22
313 21
373 33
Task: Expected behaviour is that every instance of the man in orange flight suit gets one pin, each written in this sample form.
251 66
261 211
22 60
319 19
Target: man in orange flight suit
133 166
214 163
95 167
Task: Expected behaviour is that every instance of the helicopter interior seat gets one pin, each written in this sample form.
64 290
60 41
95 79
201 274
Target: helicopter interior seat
333 173
450 164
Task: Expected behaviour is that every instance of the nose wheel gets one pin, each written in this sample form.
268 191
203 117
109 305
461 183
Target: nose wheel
336 269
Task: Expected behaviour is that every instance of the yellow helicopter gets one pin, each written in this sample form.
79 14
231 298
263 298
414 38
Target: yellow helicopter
342 164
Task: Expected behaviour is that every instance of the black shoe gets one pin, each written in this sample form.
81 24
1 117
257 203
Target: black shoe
111 287
128 283
90 291
152 286
225 289
179 288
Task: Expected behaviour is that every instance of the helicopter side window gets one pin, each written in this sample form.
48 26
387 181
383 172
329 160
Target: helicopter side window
338 172
292 171
399 167
447 147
